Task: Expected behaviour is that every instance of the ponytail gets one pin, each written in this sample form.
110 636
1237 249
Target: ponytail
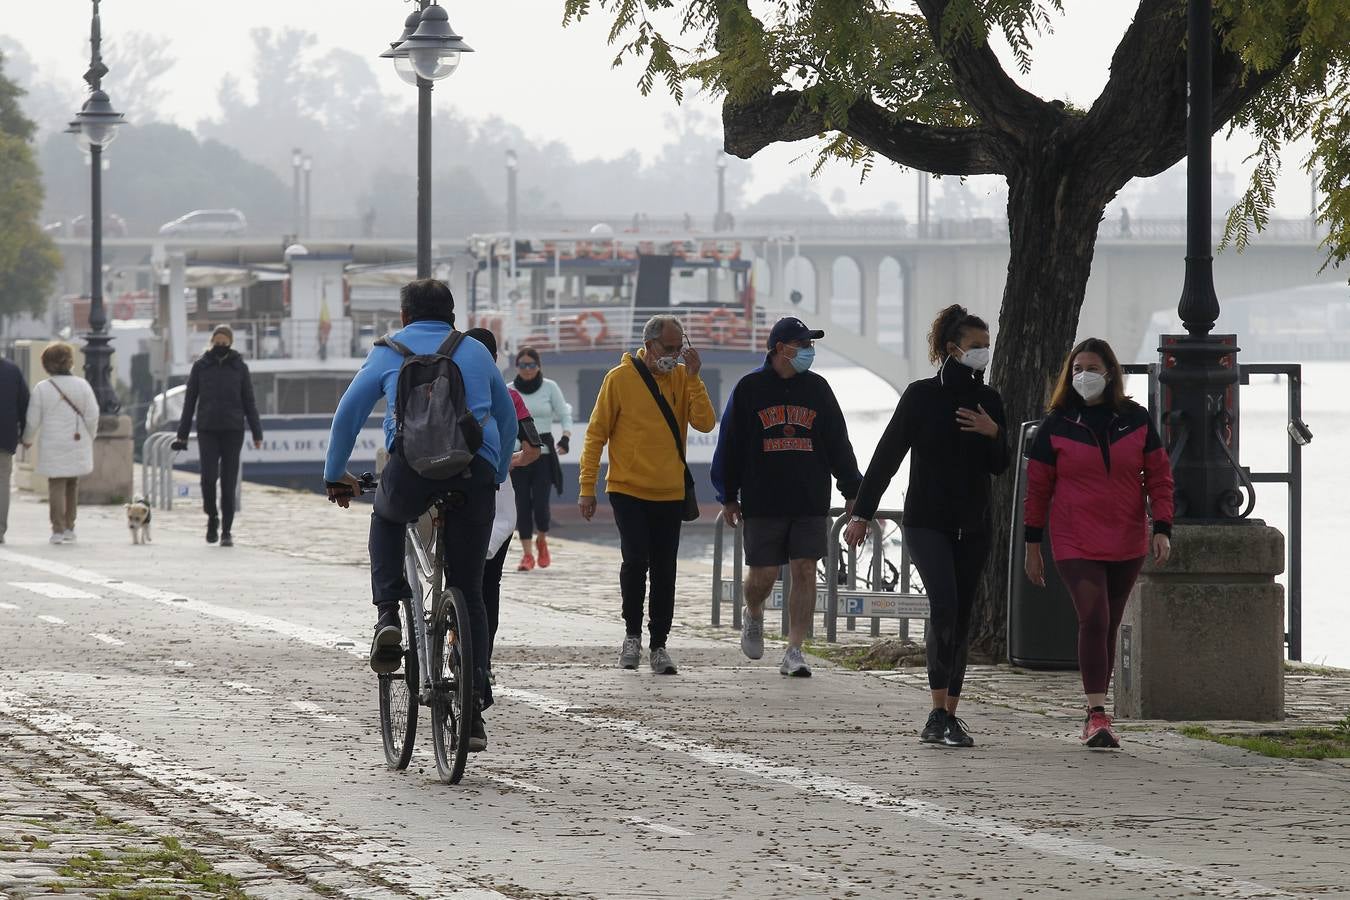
948 327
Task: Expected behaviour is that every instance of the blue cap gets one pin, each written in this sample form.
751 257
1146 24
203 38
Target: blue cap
791 328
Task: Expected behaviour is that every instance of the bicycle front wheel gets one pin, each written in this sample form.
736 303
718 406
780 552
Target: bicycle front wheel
452 702
398 701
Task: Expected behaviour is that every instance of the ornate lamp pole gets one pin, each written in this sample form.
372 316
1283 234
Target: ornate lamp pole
427 51
719 224
95 126
1200 372
512 164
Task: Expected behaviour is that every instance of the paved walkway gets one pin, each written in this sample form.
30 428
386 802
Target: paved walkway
218 698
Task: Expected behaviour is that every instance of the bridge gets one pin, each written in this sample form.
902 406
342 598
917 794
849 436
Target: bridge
873 283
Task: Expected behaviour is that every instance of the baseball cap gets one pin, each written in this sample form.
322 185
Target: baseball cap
791 328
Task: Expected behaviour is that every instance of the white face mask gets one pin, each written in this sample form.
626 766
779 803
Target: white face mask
1089 385
976 358
665 364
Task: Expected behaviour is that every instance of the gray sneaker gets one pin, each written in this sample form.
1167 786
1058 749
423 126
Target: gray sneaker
661 662
794 664
752 635
631 652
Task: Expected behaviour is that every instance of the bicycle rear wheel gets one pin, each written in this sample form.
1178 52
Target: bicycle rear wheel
452 701
398 701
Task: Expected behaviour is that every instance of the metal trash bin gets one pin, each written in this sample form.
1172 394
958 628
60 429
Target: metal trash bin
1042 625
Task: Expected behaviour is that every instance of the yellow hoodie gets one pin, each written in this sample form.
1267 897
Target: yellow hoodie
643 459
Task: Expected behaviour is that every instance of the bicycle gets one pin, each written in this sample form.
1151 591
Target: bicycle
438 653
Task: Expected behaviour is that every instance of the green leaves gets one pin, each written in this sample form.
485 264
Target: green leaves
28 258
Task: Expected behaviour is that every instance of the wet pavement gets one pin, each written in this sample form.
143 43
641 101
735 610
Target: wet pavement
220 697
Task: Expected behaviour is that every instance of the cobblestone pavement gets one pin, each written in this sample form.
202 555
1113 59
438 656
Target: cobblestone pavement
219 698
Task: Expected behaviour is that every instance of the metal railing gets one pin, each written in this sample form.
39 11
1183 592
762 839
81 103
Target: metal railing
157 485
620 327
280 337
1291 477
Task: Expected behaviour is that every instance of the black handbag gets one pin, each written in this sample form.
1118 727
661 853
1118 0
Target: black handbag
690 512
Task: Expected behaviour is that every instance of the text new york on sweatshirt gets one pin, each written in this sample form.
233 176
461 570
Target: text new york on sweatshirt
485 395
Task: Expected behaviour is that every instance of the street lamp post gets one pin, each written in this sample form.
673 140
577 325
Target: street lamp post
1200 372
95 126
427 51
308 166
512 164
719 224
297 159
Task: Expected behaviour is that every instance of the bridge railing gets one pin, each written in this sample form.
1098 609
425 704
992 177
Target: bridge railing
579 328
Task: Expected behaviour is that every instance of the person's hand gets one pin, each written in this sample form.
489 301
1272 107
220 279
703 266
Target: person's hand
692 361
564 444
1162 549
855 532
978 421
28 445
731 513
344 489
257 445
1035 565
180 444
587 506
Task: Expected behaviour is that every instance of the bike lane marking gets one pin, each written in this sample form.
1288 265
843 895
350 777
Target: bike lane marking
54 590
1203 880
321 836
107 639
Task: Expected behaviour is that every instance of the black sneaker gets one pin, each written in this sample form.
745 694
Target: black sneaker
226 540
935 728
386 649
212 529
477 735
955 735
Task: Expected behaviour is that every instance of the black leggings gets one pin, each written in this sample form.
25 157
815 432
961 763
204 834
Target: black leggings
492 594
649 539
1100 591
532 485
219 453
950 567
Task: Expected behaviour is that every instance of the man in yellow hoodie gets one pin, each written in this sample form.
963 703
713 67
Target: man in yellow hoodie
645 481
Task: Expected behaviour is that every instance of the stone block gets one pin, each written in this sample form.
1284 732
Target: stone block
111 480
1203 636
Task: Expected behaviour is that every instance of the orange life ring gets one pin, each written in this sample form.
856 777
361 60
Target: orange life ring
590 336
724 328
124 308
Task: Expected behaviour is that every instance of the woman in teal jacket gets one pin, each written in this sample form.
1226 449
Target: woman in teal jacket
532 483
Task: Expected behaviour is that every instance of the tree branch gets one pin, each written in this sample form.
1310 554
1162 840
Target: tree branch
979 77
785 117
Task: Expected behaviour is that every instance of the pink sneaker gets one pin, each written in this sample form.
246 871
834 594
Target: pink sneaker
1097 732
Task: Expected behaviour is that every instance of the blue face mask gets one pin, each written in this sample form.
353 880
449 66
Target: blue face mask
802 361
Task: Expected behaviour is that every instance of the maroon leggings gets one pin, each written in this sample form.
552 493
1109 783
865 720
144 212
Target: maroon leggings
1100 590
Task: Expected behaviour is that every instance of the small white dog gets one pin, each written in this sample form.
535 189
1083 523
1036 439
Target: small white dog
138 520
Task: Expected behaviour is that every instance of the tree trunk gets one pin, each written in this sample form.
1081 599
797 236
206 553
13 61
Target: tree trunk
1053 214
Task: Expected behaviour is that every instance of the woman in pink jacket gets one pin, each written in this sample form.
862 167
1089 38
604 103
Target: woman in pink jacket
1095 456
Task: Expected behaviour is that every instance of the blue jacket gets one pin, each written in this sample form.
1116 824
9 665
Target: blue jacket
719 460
484 392
13 405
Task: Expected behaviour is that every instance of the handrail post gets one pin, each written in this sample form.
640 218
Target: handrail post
878 557
717 570
1295 501
851 622
904 581
832 584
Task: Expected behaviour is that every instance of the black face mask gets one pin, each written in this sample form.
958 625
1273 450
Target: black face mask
220 350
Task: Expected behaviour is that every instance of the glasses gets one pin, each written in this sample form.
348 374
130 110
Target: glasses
527 365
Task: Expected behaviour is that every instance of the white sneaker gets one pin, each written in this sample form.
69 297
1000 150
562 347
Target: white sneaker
794 664
58 538
68 537
631 652
752 634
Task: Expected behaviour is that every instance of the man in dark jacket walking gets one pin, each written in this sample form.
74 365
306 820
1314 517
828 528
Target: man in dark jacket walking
13 414
220 392
782 436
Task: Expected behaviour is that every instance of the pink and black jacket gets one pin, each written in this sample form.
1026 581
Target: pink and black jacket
1093 491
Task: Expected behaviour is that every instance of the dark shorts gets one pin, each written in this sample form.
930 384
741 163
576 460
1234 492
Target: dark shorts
773 540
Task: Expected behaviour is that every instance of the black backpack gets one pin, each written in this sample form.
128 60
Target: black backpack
437 435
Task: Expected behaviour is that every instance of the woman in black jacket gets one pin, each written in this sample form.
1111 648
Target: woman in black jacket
220 392
953 424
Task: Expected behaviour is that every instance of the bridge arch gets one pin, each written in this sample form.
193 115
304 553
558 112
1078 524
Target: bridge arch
799 274
893 314
846 294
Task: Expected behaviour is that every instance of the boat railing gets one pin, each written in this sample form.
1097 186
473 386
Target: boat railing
283 337
575 329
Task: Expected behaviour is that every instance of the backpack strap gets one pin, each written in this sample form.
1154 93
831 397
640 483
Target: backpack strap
387 340
450 344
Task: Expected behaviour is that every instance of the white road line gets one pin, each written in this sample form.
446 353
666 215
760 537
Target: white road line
315 711
325 837
54 620
509 781
8 606
54 590
178 663
107 639
1205 881
668 830
244 688
1209 882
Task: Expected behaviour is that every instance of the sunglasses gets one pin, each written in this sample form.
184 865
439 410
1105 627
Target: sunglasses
527 365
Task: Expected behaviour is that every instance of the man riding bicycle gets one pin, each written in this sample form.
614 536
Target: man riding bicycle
428 311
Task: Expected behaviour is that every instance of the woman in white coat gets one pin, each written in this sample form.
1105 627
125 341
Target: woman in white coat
63 415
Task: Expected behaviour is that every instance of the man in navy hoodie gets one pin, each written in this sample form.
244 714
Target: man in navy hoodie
428 310
782 436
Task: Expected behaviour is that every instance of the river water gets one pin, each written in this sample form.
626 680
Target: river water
868 401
